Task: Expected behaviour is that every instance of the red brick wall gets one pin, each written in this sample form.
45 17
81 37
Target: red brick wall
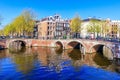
42 42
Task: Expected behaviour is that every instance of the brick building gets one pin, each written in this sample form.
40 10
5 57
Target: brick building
115 28
53 27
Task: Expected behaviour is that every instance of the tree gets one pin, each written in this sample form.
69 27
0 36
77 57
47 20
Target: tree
6 30
91 29
9 30
29 21
1 32
22 24
94 27
75 25
19 24
105 28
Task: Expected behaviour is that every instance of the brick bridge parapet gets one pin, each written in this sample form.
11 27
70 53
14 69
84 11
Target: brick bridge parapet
89 45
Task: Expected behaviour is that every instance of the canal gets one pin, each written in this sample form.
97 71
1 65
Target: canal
41 63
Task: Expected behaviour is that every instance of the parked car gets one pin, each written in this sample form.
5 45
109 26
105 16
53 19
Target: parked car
99 38
2 37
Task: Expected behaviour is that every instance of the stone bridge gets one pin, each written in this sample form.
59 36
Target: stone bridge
89 46
86 46
2 44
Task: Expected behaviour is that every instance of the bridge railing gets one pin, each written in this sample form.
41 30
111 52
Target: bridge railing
94 39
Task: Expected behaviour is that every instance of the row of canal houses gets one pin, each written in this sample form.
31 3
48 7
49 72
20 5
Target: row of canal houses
55 27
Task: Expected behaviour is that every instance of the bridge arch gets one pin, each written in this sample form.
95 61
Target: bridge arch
2 45
76 44
21 43
102 49
59 44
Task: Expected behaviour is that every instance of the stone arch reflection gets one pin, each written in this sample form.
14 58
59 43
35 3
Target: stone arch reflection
75 54
100 60
103 50
58 51
115 66
16 50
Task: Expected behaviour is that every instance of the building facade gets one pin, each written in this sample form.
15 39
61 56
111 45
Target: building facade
53 27
85 24
115 28
35 31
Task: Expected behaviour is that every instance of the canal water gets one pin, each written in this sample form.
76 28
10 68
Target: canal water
41 63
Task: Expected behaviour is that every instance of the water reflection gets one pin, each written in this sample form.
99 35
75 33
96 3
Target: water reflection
17 50
58 51
55 60
37 58
25 63
75 54
115 66
50 57
2 54
100 60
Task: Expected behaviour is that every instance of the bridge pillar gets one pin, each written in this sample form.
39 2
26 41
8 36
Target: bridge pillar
82 49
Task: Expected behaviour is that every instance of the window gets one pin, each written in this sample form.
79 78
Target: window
48 27
48 33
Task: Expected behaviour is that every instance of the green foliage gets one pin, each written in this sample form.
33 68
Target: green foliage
75 24
105 27
1 32
6 30
23 24
94 26
28 20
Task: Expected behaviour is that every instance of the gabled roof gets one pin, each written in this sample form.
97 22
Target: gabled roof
37 21
44 19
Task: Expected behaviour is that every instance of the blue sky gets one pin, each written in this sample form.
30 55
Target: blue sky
9 9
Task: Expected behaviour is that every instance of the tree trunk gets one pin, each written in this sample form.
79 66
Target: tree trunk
76 35
97 36
94 35
80 35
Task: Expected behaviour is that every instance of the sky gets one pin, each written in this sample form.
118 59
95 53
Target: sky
10 9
